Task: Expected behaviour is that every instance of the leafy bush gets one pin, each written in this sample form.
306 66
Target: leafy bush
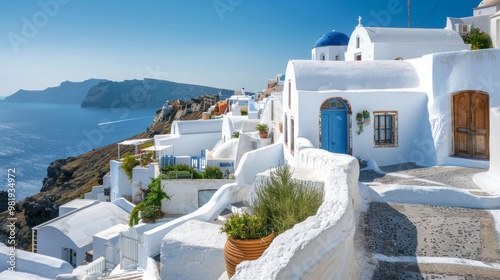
244 113
129 161
478 39
245 227
184 169
172 175
156 194
212 172
134 215
147 158
284 202
151 213
236 134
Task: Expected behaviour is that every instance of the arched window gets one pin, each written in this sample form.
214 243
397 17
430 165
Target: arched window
357 41
322 56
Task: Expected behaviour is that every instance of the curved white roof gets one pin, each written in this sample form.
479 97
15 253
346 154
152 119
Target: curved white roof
411 35
311 75
81 225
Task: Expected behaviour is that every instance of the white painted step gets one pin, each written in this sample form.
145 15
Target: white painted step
133 275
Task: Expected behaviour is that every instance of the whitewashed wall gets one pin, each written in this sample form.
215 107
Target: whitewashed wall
120 183
452 73
322 246
188 145
257 161
495 30
184 194
494 145
141 177
51 242
411 113
329 51
152 239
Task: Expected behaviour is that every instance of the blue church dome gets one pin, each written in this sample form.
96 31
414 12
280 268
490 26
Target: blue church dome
332 38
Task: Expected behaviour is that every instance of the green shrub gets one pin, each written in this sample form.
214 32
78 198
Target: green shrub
147 158
183 167
212 172
151 213
236 134
129 161
284 201
244 113
245 227
156 194
185 171
134 215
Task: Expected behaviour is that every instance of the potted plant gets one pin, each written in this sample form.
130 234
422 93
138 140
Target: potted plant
247 239
362 120
359 117
366 114
263 130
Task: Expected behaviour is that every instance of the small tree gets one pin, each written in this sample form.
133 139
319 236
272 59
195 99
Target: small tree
156 194
478 39
129 161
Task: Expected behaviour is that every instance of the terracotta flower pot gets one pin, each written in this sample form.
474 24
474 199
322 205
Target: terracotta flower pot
237 251
263 134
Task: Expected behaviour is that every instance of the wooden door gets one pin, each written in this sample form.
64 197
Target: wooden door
471 124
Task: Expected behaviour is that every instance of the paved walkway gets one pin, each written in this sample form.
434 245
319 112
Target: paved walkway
416 241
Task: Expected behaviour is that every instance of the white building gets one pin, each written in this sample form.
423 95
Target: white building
70 236
417 110
486 17
330 46
377 43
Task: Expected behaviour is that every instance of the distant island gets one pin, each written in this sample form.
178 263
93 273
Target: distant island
66 93
99 93
145 93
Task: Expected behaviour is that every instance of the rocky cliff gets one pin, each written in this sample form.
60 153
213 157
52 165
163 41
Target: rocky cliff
144 93
66 93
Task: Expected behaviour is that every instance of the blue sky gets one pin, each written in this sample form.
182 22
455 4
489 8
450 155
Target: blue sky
221 43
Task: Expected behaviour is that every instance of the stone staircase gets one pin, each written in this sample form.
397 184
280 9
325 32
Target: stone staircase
131 275
233 208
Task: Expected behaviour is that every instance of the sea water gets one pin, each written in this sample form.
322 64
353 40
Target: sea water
32 135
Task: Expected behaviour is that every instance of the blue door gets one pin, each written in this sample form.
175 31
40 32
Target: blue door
334 128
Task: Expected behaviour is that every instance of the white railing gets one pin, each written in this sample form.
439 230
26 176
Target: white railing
98 266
